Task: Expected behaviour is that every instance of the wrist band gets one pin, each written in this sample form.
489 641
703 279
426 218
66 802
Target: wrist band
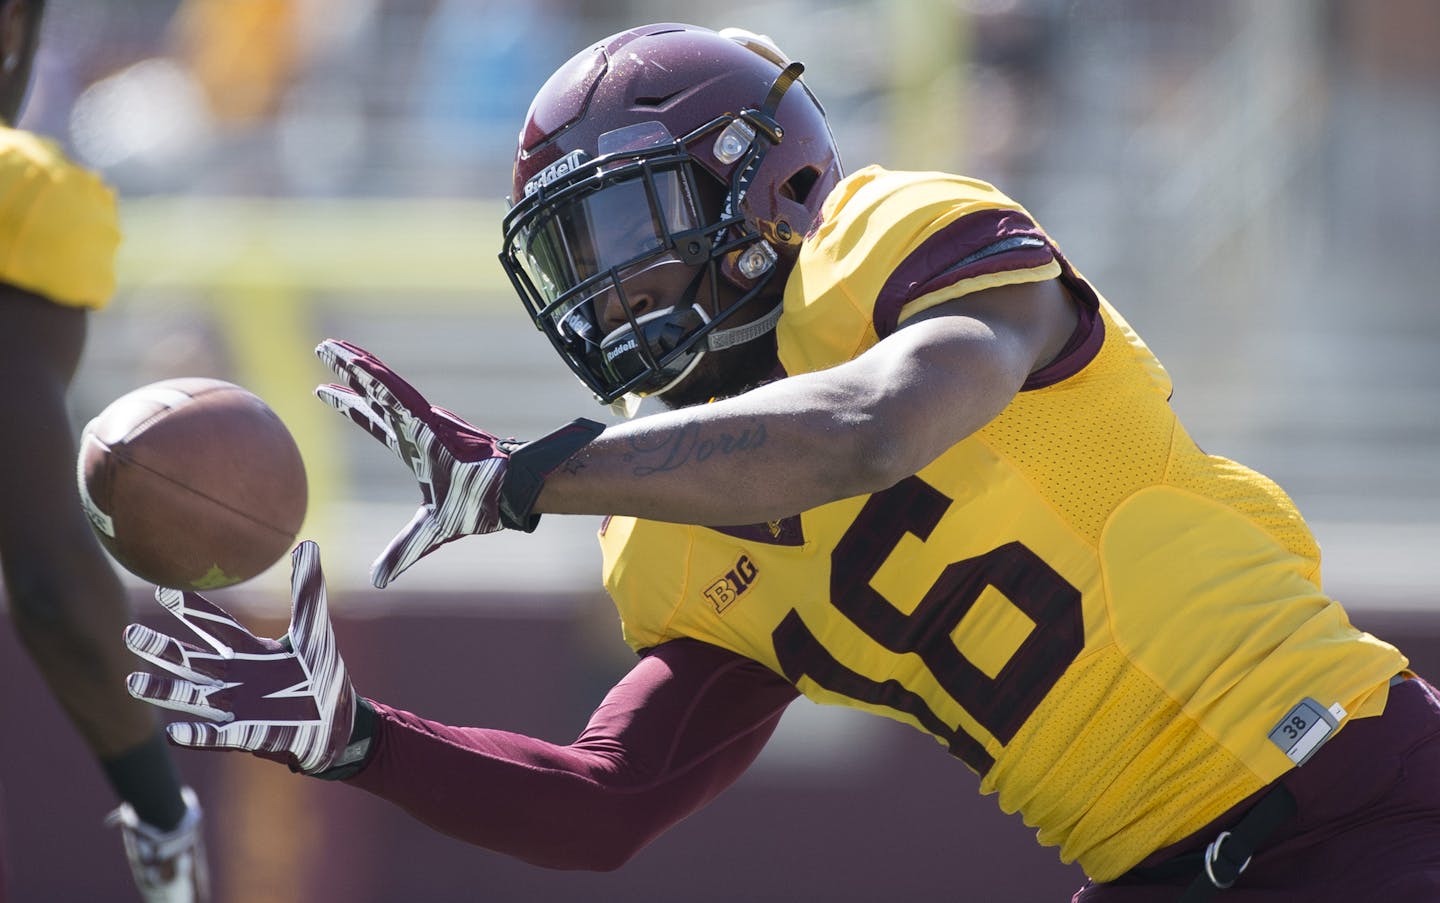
531 463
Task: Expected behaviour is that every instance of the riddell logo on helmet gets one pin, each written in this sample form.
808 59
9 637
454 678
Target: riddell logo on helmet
627 345
562 167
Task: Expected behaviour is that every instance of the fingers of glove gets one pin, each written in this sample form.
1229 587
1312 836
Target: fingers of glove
402 432
179 695
196 735
419 538
367 375
248 735
341 357
310 633
181 659
211 623
359 410
468 505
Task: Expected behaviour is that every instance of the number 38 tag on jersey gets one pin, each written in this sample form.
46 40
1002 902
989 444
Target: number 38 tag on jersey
1304 728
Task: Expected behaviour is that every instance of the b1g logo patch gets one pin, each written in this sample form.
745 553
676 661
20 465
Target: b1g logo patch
723 592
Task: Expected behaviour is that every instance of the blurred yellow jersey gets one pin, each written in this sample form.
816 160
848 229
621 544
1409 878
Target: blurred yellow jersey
1123 635
58 224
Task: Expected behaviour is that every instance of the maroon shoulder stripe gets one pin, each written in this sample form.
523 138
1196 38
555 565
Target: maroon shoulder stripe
991 241
1084 342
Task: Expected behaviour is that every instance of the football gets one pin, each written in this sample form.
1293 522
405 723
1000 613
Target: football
192 483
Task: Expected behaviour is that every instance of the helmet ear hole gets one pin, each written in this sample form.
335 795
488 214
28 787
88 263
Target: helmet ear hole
797 187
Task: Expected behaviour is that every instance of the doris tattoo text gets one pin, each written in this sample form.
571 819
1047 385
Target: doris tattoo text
669 450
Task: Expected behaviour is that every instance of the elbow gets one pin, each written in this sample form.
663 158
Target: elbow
875 457
882 442
892 456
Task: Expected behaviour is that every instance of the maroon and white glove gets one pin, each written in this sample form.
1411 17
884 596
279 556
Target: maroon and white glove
285 699
470 481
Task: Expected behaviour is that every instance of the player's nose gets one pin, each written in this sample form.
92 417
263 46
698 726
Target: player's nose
610 307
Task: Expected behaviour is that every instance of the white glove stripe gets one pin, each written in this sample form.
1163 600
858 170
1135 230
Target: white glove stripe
261 736
358 409
178 695
375 393
406 548
471 507
193 617
152 646
251 735
314 641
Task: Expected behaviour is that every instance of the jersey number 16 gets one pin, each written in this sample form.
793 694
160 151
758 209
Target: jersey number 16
1000 704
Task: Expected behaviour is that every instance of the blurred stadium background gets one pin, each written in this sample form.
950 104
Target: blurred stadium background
1253 182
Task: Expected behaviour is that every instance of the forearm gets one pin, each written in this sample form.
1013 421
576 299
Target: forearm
538 802
770 453
671 736
799 442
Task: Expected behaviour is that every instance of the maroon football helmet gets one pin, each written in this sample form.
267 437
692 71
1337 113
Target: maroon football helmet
663 146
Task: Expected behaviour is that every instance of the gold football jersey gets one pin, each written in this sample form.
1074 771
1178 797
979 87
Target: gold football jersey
1113 628
58 223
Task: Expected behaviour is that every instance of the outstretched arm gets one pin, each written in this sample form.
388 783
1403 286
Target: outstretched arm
769 453
682 726
810 439
668 738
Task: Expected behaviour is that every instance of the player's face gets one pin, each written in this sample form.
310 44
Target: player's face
665 283
19 27
719 374
627 277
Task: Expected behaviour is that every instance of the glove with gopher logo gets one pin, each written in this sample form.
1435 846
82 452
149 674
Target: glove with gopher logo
287 699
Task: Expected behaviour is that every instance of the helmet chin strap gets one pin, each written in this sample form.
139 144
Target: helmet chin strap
763 120
720 339
628 405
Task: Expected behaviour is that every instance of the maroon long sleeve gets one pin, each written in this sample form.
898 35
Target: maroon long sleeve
682 726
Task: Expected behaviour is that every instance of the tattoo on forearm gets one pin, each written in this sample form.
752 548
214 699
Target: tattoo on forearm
673 449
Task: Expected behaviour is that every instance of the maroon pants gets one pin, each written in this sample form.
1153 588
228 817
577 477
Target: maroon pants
1367 825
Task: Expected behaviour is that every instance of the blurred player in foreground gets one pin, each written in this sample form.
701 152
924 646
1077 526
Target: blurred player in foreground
58 234
914 464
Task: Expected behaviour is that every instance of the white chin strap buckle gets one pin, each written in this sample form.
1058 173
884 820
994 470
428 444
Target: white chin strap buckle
756 260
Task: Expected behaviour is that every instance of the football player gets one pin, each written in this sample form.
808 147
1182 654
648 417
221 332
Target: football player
58 235
915 464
